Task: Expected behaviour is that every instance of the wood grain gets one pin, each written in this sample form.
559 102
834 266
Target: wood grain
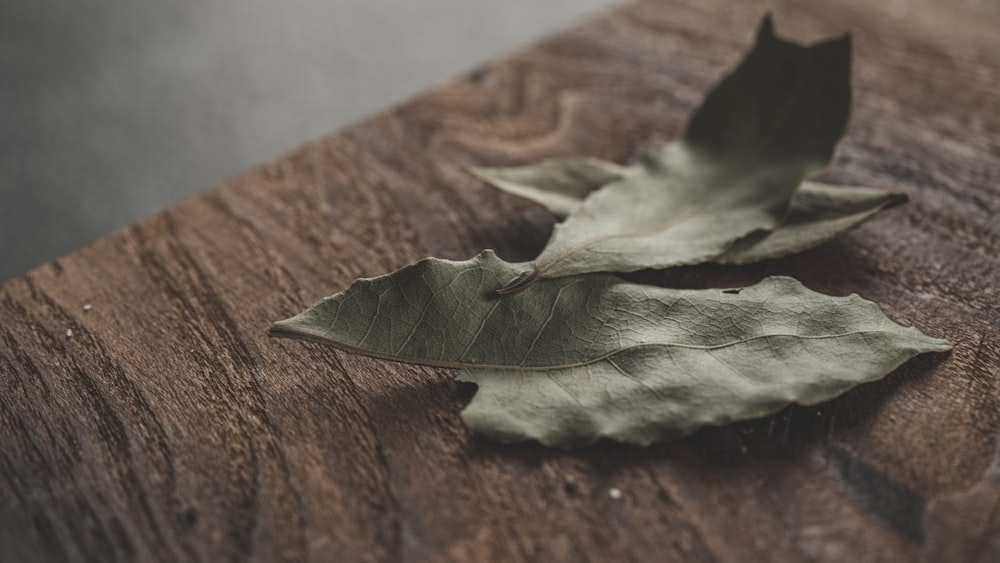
169 427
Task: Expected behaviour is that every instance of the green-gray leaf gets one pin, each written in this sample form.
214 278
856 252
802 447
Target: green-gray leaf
558 184
775 119
817 213
579 358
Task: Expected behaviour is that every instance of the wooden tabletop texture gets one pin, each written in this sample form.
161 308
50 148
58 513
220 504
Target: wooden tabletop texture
161 423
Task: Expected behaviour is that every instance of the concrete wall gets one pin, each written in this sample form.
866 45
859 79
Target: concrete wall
113 109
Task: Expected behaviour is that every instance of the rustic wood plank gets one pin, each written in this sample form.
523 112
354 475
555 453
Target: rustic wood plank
169 427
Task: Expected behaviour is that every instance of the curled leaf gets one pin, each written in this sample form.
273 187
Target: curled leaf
817 213
584 357
775 119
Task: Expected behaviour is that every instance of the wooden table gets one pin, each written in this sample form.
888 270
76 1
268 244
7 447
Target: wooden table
168 426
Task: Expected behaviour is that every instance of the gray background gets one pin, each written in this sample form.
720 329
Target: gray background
113 109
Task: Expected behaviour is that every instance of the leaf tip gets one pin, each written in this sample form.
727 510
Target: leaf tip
895 198
477 172
766 27
939 345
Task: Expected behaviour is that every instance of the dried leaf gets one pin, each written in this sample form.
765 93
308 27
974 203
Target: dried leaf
766 126
817 213
584 357
558 184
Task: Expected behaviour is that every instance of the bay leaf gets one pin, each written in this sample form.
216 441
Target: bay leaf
583 357
817 212
558 184
767 125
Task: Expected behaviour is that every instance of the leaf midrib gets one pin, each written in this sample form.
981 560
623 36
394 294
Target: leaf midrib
281 332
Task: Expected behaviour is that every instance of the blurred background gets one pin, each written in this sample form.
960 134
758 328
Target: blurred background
113 109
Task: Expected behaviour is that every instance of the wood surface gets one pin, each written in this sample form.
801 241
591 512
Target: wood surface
170 427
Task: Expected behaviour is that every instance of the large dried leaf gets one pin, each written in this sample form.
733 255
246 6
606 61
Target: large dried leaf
817 213
579 358
766 126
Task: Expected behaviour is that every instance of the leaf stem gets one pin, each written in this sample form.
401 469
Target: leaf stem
520 283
